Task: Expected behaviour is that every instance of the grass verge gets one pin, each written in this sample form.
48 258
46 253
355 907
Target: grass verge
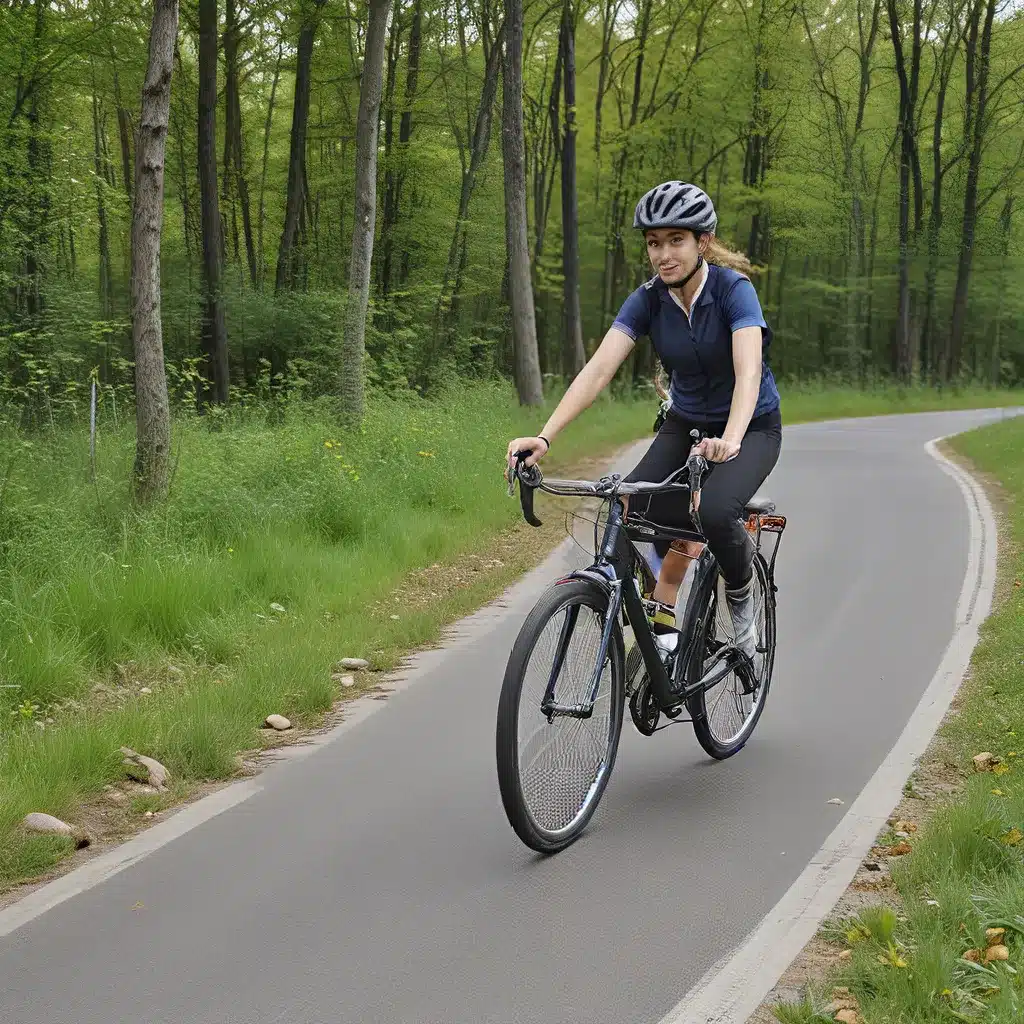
177 630
941 937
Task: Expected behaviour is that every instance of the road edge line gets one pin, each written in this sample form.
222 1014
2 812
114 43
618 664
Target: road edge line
731 991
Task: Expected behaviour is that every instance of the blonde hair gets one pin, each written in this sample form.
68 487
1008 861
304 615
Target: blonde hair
720 254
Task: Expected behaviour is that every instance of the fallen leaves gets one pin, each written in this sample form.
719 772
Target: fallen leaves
996 953
1012 838
899 825
899 849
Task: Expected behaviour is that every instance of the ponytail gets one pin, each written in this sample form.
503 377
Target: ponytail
720 254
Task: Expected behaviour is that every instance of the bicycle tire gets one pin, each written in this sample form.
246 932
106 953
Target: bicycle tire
718 747
536 830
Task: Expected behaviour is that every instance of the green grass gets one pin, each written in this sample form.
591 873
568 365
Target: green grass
324 524
966 871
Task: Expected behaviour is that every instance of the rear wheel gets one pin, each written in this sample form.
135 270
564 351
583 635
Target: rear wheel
724 715
552 774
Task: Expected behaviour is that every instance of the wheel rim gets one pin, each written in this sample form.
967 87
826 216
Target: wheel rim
562 764
729 710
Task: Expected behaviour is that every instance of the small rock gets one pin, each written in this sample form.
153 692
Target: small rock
985 761
47 824
149 814
278 722
357 664
846 954
994 936
348 681
279 608
156 774
396 617
836 801
145 689
996 953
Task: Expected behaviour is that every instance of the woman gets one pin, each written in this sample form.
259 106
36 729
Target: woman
705 322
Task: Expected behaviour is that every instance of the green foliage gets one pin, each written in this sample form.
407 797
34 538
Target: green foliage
718 86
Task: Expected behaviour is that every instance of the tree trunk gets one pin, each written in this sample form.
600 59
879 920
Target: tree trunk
930 346
614 248
1005 224
524 327
287 269
234 172
970 216
261 216
478 151
152 415
123 131
575 355
215 340
903 354
353 343
390 214
405 127
106 284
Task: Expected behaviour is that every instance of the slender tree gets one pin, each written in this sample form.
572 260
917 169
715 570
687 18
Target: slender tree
152 414
215 336
524 327
354 340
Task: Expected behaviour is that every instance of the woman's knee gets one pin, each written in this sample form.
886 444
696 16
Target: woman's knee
719 514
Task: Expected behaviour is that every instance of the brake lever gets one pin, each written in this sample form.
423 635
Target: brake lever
529 479
696 467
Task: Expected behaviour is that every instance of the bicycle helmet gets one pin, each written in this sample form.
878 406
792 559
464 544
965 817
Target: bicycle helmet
675 204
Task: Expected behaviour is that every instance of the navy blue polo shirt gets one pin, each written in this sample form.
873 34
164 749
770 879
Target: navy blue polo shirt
697 352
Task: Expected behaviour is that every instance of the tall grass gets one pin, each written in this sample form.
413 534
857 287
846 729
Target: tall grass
265 513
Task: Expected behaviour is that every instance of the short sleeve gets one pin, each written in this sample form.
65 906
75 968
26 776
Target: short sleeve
742 307
634 317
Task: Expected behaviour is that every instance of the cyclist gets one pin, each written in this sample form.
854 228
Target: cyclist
702 315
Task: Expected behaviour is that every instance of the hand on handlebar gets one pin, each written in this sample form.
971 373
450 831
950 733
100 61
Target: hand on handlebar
716 449
535 449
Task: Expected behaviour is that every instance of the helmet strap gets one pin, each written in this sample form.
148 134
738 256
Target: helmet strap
686 280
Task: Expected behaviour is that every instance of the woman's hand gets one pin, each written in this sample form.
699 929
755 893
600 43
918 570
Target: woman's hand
536 446
717 449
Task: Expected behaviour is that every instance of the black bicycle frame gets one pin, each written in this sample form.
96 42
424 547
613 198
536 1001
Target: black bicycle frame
613 572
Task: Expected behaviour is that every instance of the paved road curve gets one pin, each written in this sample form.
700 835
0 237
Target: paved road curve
377 879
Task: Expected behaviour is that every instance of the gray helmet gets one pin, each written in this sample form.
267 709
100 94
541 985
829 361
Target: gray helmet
675 204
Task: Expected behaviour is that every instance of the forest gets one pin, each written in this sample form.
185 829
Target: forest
395 194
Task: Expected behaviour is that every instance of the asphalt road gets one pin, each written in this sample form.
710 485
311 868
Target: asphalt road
377 880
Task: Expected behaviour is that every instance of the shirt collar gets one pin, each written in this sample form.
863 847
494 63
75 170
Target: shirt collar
700 298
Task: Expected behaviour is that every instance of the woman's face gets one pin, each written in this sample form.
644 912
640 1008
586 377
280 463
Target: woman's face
673 252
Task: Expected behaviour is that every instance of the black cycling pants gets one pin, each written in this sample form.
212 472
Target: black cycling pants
724 493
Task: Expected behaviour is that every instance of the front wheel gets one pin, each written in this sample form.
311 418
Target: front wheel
725 714
552 774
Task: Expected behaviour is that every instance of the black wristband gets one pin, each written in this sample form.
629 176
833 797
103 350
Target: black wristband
547 442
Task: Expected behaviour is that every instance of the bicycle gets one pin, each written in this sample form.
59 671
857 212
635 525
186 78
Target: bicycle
550 798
